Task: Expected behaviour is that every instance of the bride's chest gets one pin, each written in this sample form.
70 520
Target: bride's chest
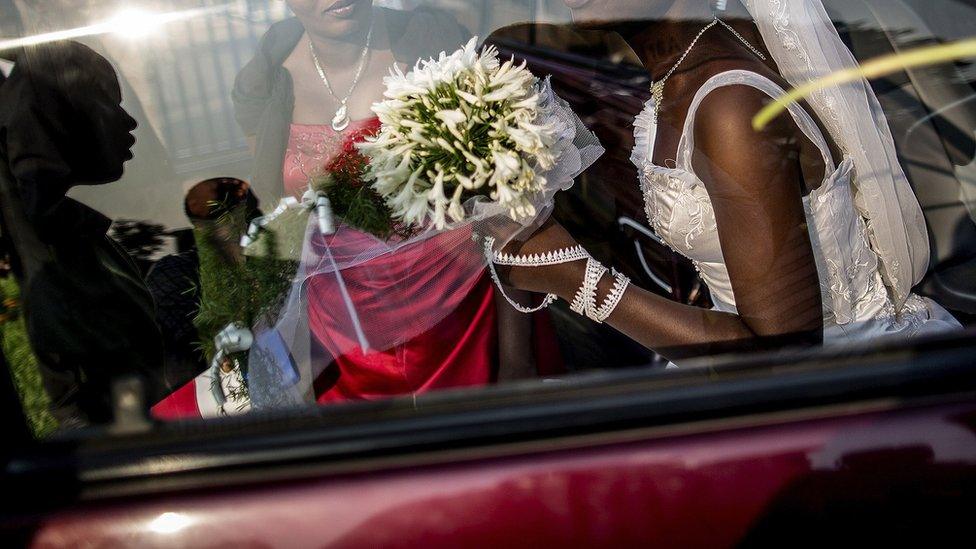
680 212
676 203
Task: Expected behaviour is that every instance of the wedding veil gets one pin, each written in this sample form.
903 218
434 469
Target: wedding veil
806 46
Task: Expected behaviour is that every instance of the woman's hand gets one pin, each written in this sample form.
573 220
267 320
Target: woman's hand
562 280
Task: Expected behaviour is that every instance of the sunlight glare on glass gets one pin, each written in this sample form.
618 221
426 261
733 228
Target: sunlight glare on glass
134 23
169 523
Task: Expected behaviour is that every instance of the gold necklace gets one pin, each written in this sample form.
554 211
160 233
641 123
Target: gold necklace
657 88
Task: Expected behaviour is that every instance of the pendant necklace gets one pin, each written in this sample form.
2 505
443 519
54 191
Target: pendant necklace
340 120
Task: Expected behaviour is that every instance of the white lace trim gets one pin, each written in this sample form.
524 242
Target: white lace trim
643 125
805 46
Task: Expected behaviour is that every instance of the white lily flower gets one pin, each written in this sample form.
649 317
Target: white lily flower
465 182
506 165
417 212
455 211
524 139
436 193
529 103
450 117
445 144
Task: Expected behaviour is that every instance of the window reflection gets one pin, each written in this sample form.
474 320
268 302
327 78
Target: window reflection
249 111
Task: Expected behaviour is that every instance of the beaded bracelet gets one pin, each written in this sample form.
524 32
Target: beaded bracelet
584 303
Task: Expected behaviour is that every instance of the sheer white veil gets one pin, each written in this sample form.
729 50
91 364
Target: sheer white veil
806 46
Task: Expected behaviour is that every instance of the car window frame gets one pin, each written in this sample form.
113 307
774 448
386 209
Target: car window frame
100 463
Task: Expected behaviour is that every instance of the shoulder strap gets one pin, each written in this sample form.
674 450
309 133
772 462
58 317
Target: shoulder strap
748 78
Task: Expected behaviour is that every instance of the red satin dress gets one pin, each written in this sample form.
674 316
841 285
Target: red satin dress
458 351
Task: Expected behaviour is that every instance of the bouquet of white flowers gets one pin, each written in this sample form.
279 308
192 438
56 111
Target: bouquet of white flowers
465 141
460 126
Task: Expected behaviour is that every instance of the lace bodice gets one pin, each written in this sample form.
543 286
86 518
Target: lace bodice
856 302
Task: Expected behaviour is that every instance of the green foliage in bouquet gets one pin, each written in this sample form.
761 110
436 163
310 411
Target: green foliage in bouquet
235 288
353 200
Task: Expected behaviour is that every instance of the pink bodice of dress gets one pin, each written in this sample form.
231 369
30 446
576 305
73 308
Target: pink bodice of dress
313 147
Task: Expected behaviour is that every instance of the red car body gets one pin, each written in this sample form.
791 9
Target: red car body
804 450
704 486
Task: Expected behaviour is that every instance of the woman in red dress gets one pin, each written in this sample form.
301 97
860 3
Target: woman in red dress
460 349
303 101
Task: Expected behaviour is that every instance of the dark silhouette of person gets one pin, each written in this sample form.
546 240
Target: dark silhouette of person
89 316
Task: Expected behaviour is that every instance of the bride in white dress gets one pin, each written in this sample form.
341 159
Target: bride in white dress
805 232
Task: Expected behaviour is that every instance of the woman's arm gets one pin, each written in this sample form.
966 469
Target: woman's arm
755 184
516 354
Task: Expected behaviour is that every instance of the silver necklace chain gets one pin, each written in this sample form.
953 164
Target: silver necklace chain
657 89
341 119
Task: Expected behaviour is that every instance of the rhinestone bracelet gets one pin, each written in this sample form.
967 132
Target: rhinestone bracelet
620 284
585 300
558 257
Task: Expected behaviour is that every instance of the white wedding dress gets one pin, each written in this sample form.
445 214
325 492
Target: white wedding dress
856 302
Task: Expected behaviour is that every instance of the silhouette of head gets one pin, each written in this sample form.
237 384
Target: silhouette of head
70 113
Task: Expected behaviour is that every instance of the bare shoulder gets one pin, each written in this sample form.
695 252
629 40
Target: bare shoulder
728 148
727 113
